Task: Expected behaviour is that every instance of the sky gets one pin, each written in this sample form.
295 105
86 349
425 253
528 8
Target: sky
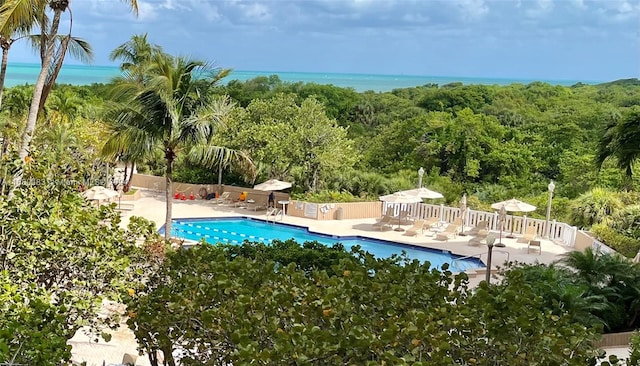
513 39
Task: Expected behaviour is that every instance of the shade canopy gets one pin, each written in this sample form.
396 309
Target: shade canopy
99 193
272 185
422 193
513 205
636 259
400 197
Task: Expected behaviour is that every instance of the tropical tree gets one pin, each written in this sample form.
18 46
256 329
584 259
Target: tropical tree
26 13
621 141
170 110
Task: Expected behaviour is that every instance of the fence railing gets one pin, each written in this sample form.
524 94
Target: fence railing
558 232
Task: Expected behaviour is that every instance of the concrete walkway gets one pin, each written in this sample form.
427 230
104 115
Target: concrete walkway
152 207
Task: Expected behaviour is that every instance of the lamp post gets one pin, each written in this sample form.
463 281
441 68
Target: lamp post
420 175
490 240
547 230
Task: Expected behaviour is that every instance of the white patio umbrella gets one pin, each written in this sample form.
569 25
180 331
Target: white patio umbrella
513 205
400 197
99 193
275 185
272 185
422 193
636 259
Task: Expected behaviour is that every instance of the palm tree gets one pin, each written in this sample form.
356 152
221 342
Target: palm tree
136 55
210 154
29 12
170 110
621 141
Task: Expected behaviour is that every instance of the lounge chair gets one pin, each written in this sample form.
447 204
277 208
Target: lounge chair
449 232
418 225
431 221
404 218
478 237
385 221
481 225
529 234
225 197
254 205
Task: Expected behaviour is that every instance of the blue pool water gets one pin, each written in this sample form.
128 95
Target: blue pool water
237 230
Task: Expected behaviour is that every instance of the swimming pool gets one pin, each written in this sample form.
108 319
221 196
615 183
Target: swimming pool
235 230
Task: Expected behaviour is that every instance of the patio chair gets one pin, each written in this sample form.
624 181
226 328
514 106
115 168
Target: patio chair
418 225
225 197
449 232
254 205
529 234
385 221
481 225
404 218
535 245
431 221
478 238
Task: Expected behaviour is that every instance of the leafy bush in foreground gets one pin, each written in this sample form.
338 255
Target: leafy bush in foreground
218 311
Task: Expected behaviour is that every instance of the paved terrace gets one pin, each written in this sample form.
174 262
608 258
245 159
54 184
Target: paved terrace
152 206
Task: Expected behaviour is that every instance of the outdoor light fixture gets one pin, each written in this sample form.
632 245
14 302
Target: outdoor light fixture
420 175
547 229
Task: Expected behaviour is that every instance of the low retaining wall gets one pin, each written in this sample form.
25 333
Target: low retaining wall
615 340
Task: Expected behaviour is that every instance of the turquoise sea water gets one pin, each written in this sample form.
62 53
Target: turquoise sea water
21 73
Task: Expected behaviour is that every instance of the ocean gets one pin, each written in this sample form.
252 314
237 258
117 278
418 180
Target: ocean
23 73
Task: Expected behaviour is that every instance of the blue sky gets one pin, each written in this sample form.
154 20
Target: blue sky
523 39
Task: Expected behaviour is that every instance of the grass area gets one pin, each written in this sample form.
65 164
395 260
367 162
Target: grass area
131 192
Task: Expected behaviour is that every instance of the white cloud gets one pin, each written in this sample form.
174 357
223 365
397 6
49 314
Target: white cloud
473 9
540 8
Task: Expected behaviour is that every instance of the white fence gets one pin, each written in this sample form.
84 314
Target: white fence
558 232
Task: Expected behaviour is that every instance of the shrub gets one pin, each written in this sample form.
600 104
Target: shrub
594 207
623 244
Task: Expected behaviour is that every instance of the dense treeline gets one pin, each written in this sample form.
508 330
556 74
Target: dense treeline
490 142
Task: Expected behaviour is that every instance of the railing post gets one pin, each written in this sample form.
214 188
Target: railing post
523 229
442 212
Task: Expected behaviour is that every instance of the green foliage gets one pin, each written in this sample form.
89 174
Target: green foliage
613 278
371 312
594 207
328 197
60 257
626 221
307 257
621 243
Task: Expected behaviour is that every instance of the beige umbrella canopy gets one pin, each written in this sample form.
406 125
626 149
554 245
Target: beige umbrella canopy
422 193
272 185
636 259
400 197
513 205
99 193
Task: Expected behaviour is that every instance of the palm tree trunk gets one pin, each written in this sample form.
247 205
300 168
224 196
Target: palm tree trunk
30 128
169 197
220 177
51 78
5 44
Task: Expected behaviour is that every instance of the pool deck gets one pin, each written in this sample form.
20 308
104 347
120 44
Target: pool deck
152 207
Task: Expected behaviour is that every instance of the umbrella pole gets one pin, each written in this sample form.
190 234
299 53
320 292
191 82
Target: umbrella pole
500 244
511 236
